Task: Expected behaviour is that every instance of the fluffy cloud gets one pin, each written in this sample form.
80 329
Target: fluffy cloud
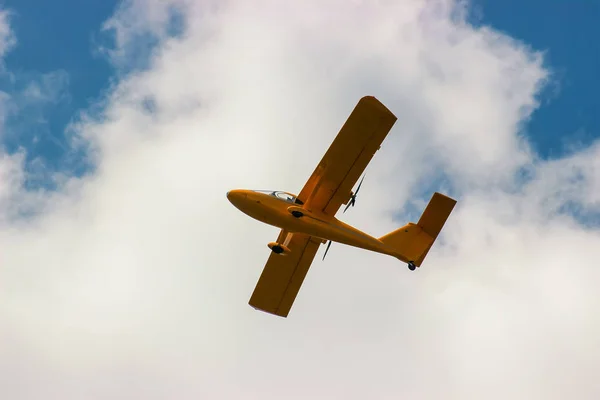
133 281
7 38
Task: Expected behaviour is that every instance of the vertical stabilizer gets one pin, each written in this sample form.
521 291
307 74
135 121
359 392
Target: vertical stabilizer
413 241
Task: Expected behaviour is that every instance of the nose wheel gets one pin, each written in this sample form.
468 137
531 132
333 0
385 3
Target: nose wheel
411 266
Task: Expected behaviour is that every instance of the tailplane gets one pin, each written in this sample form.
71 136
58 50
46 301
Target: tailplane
413 241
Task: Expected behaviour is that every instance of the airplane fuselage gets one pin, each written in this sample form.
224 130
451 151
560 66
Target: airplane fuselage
294 217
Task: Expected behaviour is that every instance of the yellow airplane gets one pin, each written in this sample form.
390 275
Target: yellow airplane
308 219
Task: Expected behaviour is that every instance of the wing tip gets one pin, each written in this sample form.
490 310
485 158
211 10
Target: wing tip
373 101
272 312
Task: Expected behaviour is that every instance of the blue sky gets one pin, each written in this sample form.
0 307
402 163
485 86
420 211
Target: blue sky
57 40
567 31
61 38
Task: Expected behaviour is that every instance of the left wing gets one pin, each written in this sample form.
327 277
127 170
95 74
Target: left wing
283 275
331 183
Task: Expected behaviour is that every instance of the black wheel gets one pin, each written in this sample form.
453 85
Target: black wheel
411 266
277 249
297 214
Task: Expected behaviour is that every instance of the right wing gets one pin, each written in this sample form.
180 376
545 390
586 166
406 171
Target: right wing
330 185
283 275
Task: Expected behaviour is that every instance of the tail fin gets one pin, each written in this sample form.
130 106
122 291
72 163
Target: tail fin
413 241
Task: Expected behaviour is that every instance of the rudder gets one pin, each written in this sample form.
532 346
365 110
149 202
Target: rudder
413 241
436 213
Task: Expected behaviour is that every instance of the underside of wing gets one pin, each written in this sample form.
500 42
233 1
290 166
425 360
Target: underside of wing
283 275
332 181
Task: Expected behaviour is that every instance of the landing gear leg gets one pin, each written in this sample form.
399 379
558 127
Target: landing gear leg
411 266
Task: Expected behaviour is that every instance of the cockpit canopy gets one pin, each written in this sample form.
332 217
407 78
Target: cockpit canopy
285 196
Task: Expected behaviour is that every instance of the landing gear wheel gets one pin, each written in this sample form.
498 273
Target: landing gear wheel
277 249
411 266
297 214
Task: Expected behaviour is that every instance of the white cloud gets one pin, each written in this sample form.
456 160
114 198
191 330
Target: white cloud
48 88
134 281
7 37
7 41
136 27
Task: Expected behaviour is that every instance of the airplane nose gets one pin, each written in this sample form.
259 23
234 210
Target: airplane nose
235 196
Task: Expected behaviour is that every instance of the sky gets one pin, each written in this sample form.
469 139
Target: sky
125 273
563 30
